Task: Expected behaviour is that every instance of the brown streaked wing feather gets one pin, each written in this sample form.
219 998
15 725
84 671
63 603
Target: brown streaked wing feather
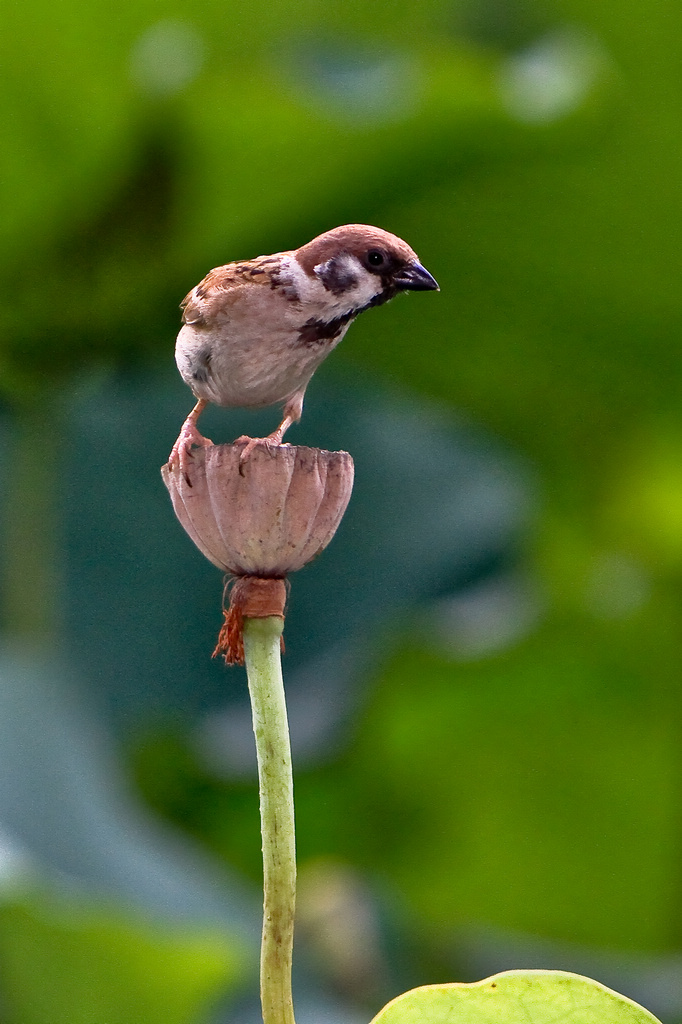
222 280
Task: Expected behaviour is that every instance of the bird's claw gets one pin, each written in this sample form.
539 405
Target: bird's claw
181 452
270 442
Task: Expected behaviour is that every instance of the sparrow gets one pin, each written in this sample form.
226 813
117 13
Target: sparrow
255 331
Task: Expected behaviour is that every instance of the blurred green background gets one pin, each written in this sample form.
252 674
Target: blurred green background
505 801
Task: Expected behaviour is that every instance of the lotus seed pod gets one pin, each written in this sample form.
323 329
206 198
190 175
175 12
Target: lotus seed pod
259 520
267 517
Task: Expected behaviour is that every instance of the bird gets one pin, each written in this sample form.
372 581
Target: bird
254 331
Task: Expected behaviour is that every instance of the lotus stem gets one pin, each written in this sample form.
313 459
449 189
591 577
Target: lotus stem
271 728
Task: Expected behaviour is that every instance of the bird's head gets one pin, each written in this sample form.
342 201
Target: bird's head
364 265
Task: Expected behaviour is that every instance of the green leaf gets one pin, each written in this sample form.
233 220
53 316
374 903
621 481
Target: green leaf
531 997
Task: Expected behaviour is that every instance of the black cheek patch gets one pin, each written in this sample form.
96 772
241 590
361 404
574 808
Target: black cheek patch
336 276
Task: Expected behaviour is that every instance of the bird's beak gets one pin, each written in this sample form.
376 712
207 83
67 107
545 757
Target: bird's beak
415 278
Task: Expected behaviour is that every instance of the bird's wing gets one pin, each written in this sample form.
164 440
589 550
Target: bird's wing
223 284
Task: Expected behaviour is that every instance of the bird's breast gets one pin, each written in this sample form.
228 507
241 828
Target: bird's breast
257 356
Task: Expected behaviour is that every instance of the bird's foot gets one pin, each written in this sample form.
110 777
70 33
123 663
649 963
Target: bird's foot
270 442
181 452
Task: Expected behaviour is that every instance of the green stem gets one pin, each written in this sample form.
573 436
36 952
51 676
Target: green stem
264 670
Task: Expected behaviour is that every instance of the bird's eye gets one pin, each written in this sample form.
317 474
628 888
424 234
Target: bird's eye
375 258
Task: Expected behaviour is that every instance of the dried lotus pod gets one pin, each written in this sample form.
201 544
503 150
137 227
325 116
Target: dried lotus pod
268 517
259 520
